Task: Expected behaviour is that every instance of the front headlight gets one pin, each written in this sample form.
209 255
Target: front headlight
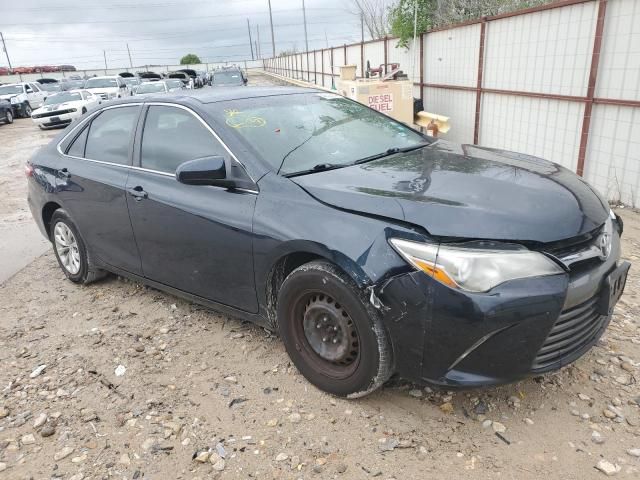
14 100
473 266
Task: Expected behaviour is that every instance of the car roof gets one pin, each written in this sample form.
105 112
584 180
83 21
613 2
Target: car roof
213 95
104 76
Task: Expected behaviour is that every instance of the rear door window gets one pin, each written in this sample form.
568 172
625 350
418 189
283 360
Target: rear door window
173 136
110 135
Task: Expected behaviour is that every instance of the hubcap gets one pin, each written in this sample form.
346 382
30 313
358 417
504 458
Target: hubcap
67 248
330 331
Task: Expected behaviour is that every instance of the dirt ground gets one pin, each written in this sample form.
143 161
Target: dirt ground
204 396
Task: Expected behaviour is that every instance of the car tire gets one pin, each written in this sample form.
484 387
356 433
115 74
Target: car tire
9 117
76 263
332 333
27 111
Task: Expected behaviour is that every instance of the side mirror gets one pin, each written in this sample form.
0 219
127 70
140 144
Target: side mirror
204 171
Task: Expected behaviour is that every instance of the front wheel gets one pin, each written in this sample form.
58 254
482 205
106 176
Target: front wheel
27 110
332 333
70 250
9 117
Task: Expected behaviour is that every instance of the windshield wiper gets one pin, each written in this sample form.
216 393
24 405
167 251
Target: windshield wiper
390 151
321 167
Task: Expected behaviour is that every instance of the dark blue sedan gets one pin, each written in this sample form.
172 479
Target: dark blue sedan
371 248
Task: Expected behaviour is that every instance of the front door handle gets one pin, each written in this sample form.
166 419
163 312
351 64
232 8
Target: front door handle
137 192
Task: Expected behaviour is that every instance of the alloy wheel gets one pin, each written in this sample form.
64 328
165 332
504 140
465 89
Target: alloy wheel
67 248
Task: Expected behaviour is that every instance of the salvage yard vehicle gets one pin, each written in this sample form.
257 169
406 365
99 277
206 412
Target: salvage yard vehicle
6 111
174 84
371 248
24 97
228 78
108 87
152 87
60 109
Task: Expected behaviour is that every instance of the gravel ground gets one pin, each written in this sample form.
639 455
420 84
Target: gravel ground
116 380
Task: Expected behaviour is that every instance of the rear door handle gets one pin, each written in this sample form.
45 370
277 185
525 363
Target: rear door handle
137 192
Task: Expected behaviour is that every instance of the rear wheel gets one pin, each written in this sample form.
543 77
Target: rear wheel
70 250
331 332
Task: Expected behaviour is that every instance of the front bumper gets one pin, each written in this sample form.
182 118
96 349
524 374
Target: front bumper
523 327
56 120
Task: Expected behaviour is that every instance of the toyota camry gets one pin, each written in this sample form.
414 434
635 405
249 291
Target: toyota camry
372 249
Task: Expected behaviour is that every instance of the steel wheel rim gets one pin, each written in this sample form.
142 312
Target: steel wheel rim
9 117
67 248
338 356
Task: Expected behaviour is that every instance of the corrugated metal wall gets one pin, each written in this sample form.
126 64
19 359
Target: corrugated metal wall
531 82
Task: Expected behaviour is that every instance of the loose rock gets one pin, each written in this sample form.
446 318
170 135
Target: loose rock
64 453
608 468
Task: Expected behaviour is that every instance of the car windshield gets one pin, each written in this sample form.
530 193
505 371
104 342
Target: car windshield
101 83
173 83
295 133
131 81
62 97
151 87
10 89
226 78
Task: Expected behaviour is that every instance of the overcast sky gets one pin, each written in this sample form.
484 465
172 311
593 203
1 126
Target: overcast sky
46 32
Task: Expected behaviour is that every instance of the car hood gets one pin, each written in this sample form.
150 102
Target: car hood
99 90
466 191
59 106
8 97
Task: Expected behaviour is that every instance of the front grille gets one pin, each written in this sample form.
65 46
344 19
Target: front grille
52 114
575 328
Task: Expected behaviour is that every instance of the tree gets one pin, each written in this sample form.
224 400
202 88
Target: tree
190 59
438 13
374 15
402 19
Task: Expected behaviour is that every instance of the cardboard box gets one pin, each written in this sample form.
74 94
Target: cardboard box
391 97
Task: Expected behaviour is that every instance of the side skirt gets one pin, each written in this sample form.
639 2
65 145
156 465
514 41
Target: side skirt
218 307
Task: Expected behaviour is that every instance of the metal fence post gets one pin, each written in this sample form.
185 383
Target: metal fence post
422 68
322 65
591 88
476 125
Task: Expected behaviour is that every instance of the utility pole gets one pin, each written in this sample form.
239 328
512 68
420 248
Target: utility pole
250 42
6 52
104 53
362 26
129 52
304 17
273 40
258 46
257 54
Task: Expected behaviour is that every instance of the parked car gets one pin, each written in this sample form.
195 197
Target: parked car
51 88
372 249
228 78
196 81
107 87
24 97
6 111
174 84
60 109
186 80
67 85
149 76
152 88
43 81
